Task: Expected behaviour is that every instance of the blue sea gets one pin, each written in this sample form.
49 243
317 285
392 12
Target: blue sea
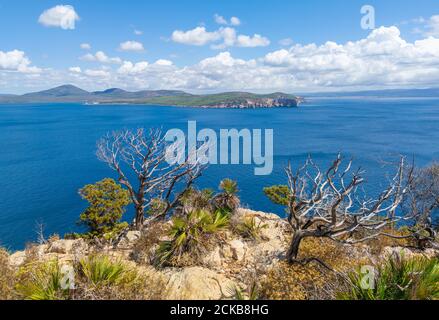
47 152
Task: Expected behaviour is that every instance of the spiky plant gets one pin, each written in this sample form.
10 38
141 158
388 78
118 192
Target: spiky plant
250 229
42 281
189 232
228 198
194 199
398 279
252 293
100 270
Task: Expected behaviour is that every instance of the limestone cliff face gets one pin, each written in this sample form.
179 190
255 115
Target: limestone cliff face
281 102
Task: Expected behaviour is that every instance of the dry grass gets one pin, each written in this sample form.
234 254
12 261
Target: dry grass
311 281
7 280
144 249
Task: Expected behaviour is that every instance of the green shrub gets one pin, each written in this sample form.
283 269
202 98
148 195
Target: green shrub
190 233
398 279
107 205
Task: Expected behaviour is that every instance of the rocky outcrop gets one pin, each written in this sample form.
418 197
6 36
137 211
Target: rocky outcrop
228 265
197 283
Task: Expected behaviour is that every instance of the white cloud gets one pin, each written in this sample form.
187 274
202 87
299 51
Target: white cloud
163 62
16 60
97 73
131 46
432 27
62 16
251 42
85 46
138 32
234 21
75 69
220 19
133 68
286 42
381 60
197 37
101 57
200 36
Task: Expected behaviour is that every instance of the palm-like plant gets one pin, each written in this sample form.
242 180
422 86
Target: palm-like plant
42 281
188 233
101 271
398 279
228 198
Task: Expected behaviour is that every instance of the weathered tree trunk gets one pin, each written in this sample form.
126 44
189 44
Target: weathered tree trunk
293 251
140 217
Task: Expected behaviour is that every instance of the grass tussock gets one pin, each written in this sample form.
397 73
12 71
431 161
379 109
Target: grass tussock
399 278
94 278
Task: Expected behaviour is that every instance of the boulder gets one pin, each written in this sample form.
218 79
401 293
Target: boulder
17 259
74 247
197 283
129 240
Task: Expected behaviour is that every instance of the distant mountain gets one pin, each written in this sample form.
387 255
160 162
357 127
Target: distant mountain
392 93
72 94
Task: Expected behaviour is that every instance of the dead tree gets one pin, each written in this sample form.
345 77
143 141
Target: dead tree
422 201
141 156
329 205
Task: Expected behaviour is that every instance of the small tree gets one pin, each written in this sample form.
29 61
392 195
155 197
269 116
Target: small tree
422 201
107 205
329 205
228 198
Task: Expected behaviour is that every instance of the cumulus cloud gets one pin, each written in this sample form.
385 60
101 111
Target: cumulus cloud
196 37
234 21
286 42
16 60
131 46
223 38
133 68
61 16
85 46
75 69
99 73
101 57
432 27
383 59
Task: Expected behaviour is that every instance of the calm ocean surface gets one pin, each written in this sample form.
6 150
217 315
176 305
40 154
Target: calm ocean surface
47 152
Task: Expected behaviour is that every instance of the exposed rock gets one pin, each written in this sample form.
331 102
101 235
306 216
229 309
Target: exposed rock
197 283
17 259
238 249
74 247
129 239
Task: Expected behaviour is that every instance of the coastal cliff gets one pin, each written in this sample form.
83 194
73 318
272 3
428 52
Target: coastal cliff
72 94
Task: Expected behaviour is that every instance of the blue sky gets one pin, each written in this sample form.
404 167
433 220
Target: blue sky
261 44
